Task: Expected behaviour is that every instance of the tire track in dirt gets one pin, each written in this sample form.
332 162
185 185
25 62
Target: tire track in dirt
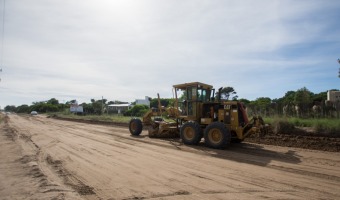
20 174
45 167
282 156
114 165
130 164
238 158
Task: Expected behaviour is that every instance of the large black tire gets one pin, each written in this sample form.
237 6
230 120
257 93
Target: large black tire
135 126
216 135
191 133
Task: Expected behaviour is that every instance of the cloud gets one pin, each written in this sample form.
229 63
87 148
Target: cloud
130 49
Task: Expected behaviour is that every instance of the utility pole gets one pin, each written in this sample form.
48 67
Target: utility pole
102 104
339 68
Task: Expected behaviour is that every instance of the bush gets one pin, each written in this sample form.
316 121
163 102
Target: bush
23 109
282 126
327 126
137 110
285 125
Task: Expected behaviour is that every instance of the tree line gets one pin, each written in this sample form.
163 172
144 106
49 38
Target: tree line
300 103
53 105
303 98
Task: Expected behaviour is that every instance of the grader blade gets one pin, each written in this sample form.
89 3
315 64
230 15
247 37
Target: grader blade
153 132
258 127
163 130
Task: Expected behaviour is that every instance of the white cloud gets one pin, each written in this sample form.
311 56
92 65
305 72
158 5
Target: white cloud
130 49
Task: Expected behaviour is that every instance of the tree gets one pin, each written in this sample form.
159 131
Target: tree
289 97
10 108
53 101
244 101
72 101
23 109
303 99
137 110
261 105
164 102
321 97
97 105
116 102
87 108
226 93
263 102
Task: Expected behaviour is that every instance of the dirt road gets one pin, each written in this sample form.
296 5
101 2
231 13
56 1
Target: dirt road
43 158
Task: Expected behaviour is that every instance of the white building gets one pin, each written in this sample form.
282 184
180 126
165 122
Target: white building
145 101
118 108
333 95
75 108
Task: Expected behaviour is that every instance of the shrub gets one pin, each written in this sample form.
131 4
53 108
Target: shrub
137 110
282 126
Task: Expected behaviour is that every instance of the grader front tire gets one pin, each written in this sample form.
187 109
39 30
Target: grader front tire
191 133
135 126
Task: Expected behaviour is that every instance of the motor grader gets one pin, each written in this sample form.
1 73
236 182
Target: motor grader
198 114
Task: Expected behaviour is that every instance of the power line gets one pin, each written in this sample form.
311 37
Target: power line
339 68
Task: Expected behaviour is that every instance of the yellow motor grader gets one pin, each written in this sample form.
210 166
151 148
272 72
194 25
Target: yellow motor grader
197 114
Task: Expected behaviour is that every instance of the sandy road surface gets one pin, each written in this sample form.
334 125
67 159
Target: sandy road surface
44 158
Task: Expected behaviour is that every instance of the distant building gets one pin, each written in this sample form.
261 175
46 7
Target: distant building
75 108
118 108
333 95
145 101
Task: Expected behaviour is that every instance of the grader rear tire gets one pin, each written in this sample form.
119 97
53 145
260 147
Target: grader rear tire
191 133
216 135
135 126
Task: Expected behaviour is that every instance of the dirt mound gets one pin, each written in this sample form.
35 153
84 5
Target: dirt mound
290 136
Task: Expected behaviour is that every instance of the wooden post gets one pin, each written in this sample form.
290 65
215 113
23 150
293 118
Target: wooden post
159 104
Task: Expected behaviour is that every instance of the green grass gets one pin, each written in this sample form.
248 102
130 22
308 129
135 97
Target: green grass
331 126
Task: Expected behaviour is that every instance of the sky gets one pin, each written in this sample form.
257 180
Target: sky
128 49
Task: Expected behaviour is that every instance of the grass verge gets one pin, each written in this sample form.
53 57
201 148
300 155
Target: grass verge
322 125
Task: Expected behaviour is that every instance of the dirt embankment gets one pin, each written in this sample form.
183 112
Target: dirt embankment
300 141
297 137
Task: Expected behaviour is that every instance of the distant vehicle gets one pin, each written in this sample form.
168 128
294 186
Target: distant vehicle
75 108
34 113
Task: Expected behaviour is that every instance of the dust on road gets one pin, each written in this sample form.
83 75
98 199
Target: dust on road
43 158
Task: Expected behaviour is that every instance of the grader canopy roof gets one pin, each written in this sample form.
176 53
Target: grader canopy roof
193 84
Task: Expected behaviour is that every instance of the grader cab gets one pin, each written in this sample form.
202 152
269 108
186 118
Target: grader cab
198 114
